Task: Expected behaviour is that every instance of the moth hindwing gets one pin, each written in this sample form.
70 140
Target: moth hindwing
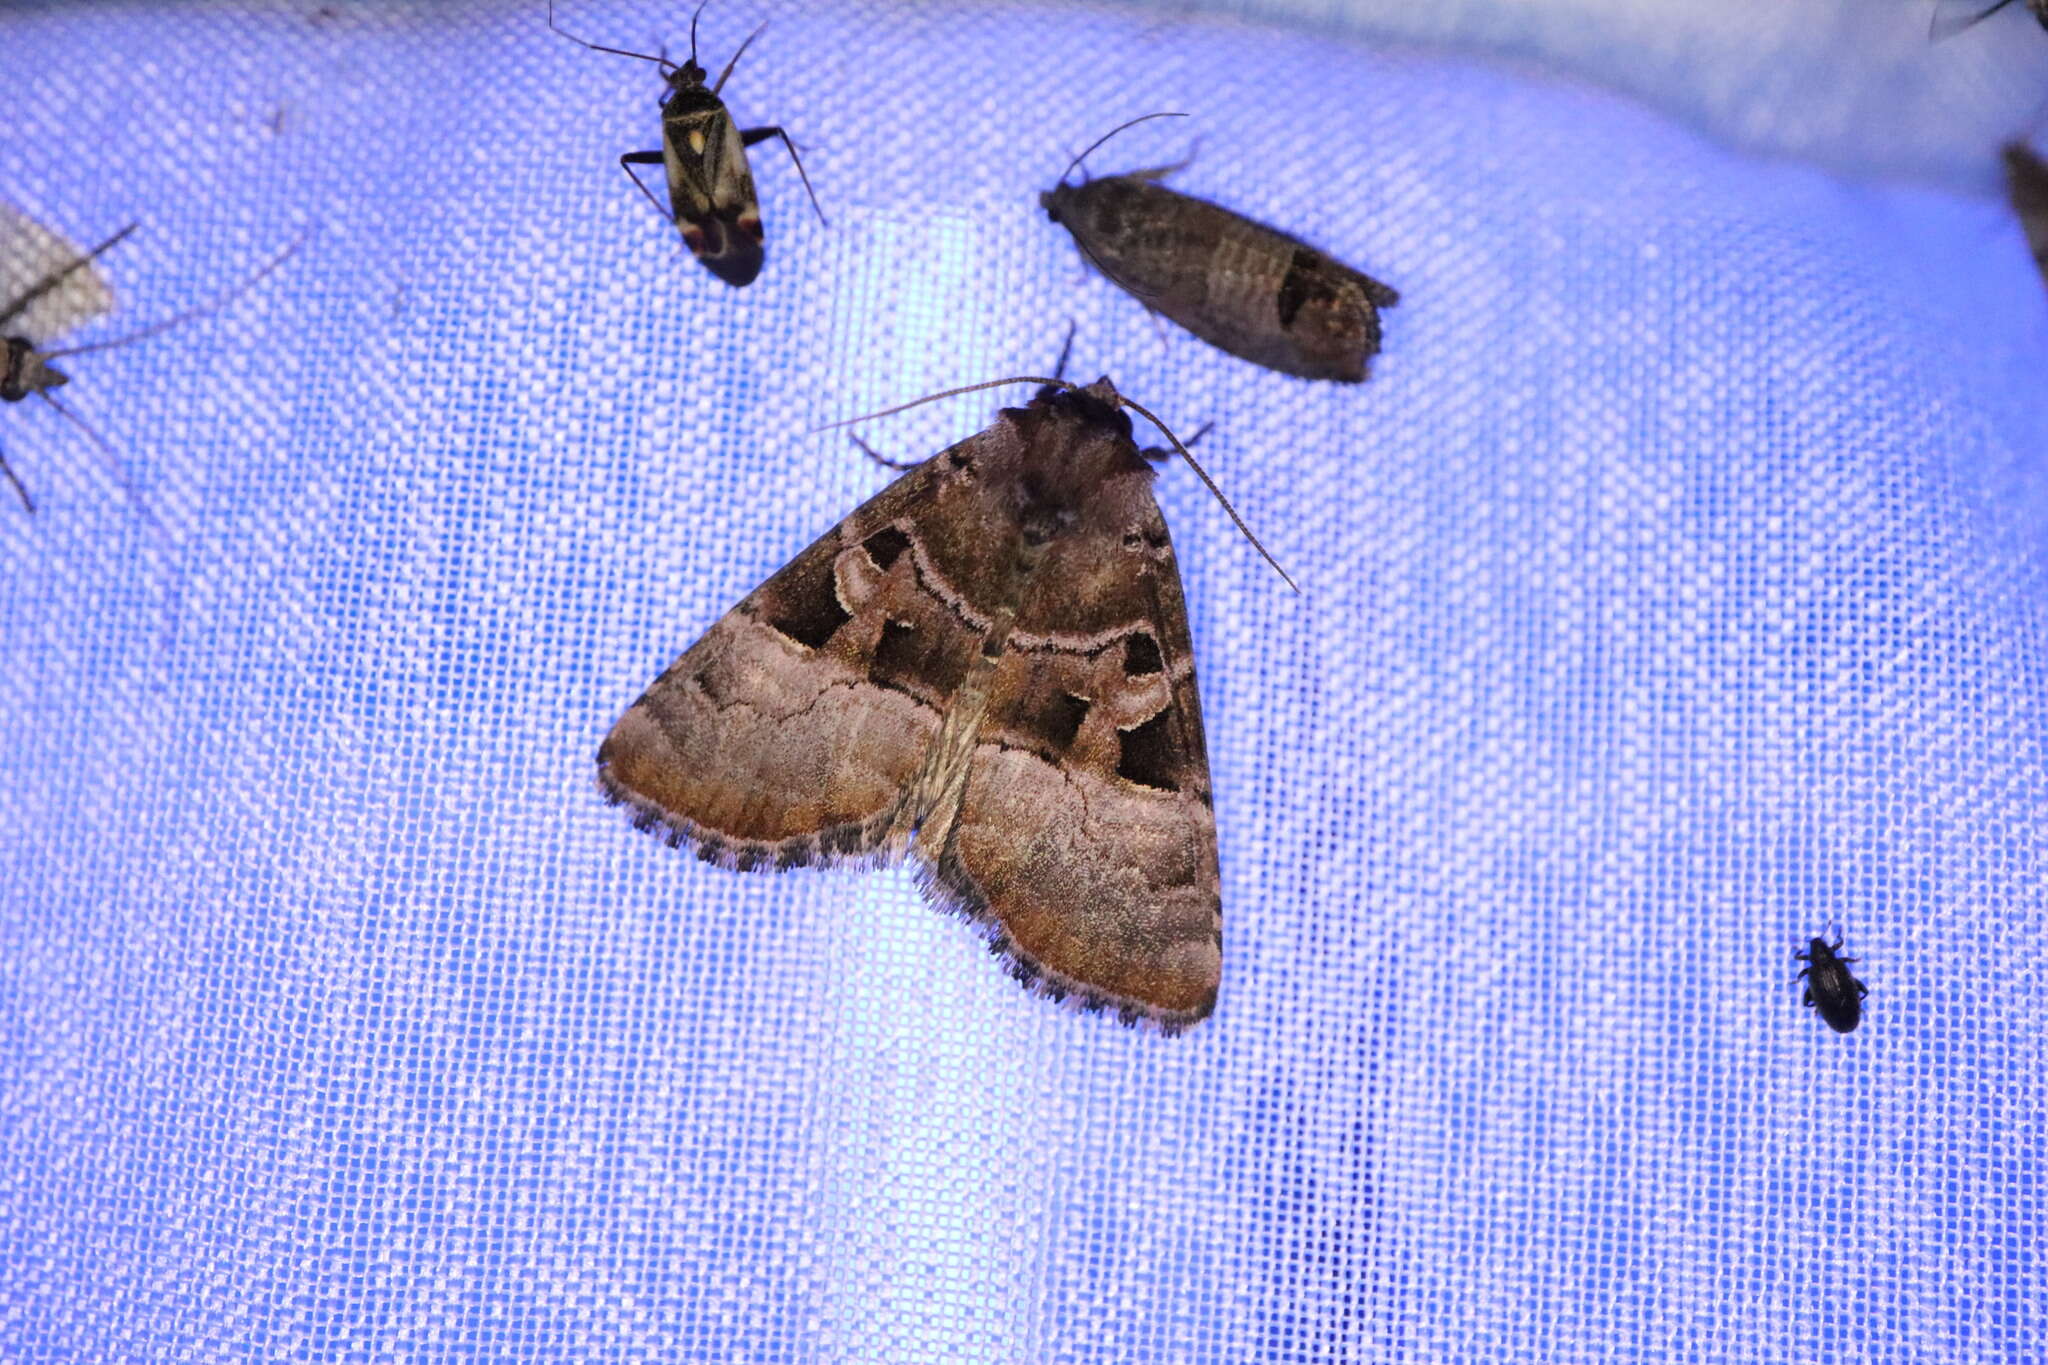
985 668
710 187
1239 285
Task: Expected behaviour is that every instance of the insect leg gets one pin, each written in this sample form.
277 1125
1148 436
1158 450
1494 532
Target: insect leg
883 460
750 136
627 161
26 501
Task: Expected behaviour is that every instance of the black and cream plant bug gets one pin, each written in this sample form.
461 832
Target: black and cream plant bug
710 189
48 288
1830 989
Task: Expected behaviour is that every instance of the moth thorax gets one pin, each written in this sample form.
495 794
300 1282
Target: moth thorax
26 372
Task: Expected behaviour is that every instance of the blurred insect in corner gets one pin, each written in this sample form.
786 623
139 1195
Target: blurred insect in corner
2026 184
48 287
1830 990
1947 22
710 188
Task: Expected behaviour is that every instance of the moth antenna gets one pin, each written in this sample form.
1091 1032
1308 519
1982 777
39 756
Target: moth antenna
728 71
949 393
19 487
1210 484
59 275
1066 349
1168 113
1937 31
213 305
599 47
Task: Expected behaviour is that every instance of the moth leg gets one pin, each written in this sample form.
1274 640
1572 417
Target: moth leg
883 460
1158 327
627 161
1161 172
26 501
750 136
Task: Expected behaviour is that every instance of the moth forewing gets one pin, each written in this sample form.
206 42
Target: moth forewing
1251 290
986 668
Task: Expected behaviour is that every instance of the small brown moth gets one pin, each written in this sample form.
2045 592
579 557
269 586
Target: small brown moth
985 668
2026 182
1246 288
710 188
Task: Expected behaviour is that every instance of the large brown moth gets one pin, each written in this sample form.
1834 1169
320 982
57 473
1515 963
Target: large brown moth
2026 183
710 188
1239 285
986 668
49 287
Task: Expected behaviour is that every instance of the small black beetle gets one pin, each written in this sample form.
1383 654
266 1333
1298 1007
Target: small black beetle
1829 986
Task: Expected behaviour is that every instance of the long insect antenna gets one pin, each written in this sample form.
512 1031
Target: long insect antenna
213 305
58 276
19 487
728 71
617 51
1040 380
693 38
1142 118
1210 484
1937 30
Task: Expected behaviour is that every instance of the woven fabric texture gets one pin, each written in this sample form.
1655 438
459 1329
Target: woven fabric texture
1675 588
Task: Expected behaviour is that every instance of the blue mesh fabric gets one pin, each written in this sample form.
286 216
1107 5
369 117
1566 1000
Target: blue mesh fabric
1676 587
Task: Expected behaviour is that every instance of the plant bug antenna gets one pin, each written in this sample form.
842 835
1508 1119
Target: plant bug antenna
663 62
